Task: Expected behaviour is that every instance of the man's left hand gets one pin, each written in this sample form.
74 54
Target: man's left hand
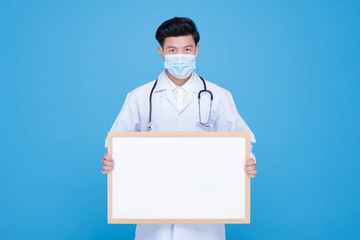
250 168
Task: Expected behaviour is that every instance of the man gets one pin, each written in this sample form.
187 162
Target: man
175 108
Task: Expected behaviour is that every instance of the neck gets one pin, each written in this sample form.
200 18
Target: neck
177 81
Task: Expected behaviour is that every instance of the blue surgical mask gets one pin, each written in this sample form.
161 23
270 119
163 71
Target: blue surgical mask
180 65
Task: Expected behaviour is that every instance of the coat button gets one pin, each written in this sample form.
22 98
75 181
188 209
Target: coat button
178 117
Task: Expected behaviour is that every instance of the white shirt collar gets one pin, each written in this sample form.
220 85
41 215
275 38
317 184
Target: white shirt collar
185 86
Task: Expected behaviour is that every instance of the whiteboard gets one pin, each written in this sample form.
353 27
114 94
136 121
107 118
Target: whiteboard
179 177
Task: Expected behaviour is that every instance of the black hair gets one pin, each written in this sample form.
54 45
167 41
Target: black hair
175 27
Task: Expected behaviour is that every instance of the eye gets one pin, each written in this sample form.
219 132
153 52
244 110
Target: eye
188 49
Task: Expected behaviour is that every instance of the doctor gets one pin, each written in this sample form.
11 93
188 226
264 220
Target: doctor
175 107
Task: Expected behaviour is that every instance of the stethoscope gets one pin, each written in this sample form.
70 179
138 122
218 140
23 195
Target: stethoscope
207 124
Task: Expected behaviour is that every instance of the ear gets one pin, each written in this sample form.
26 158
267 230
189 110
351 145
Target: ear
197 50
160 52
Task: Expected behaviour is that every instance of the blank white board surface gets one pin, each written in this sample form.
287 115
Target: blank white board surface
179 178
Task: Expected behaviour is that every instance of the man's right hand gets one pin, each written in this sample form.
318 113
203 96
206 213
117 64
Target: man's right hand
108 163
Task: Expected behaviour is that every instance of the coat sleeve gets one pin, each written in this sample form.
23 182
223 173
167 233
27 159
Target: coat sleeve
229 119
128 119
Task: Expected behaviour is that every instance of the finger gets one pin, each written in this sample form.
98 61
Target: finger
250 165
251 176
107 168
108 163
104 172
251 162
107 157
250 168
253 172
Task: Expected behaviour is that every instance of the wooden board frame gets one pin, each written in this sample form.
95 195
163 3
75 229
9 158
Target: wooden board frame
246 135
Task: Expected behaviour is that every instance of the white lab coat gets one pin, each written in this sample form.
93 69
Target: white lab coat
166 117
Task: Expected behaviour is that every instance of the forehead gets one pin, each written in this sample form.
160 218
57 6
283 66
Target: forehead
179 42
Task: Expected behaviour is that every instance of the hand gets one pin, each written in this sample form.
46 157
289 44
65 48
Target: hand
250 168
108 163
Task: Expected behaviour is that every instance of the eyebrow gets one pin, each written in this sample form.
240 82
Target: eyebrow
184 47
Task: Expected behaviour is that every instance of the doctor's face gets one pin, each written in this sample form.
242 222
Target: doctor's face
179 45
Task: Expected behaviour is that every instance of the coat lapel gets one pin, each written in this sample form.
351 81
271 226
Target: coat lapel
189 98
171 98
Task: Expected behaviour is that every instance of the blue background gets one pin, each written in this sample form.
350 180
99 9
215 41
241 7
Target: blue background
291 66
